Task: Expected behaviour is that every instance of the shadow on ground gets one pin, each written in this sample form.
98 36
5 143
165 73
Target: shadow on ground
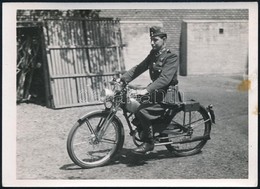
128 158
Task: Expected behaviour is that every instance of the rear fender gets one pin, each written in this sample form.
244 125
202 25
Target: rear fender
211 113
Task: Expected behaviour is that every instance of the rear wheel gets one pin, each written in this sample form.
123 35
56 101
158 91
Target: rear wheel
188 139
83 146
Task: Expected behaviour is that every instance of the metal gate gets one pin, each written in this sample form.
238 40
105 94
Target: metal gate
81 56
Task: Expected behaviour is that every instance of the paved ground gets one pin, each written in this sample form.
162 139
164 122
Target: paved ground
42 134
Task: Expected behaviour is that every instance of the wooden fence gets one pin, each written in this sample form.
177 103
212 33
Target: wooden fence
82 55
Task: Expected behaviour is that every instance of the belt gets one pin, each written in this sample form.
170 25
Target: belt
173 86
174 82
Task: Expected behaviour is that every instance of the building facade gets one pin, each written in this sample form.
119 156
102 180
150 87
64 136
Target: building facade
208 23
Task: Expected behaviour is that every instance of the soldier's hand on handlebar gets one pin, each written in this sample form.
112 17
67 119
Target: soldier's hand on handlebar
118 80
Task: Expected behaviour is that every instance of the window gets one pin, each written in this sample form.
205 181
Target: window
221 30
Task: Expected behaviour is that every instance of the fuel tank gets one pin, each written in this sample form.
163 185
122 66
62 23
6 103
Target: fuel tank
132 105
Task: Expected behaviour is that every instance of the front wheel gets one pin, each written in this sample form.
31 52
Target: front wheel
83 145
189 139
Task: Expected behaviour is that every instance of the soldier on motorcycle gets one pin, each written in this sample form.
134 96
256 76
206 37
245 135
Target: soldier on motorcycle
163 66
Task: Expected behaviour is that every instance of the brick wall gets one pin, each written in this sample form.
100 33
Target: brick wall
172 19
39 15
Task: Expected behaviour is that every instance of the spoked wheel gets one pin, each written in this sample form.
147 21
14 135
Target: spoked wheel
83 145
188 139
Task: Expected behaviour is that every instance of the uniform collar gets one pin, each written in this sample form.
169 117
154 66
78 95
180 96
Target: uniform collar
160 51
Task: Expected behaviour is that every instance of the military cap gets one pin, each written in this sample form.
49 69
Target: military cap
157 31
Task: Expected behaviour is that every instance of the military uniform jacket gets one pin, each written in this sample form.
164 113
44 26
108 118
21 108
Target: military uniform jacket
162 67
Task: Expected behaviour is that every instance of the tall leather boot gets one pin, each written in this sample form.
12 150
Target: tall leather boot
148 144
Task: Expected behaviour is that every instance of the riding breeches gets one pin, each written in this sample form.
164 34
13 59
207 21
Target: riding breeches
147 113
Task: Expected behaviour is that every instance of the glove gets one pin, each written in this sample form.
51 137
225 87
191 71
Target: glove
118 80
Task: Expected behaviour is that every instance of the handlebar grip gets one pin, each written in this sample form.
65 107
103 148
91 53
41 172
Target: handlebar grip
114 81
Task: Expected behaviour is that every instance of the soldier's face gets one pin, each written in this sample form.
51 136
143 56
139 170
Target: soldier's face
157 42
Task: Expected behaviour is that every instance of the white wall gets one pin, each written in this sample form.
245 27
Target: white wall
210 52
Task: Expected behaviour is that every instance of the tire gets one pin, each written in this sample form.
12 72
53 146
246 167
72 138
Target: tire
200 129
84 149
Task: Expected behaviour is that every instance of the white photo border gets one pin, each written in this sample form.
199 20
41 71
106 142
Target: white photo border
9 96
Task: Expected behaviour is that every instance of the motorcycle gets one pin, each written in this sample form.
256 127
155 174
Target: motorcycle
97 137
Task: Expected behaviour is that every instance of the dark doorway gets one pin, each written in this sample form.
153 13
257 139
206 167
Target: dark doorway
30 77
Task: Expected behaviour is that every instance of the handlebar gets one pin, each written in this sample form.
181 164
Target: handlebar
136 87
130 86
115 82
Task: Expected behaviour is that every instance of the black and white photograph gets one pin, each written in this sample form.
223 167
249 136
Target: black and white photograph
130 94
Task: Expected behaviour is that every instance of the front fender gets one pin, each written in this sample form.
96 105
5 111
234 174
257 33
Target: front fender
92 113
104 112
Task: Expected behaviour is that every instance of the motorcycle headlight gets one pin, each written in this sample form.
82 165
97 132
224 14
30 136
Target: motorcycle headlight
108 103
107 96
